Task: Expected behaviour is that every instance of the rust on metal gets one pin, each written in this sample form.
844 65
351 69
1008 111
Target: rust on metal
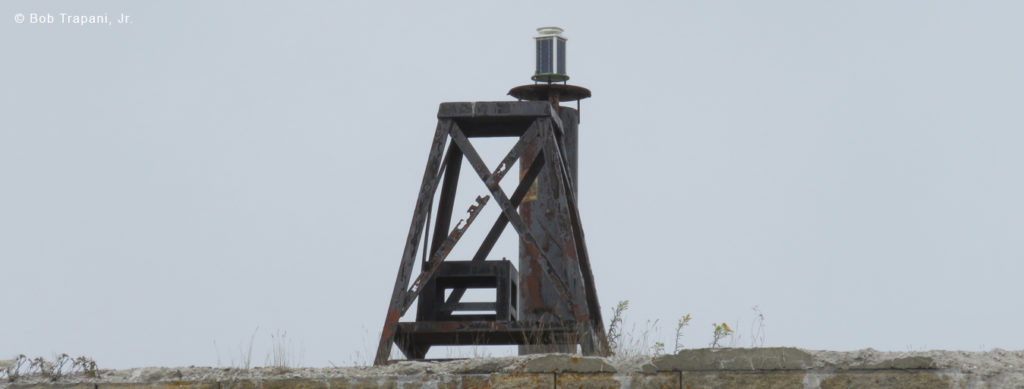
442 253
429 183
584 257
581 257
502 222
558 305
506 205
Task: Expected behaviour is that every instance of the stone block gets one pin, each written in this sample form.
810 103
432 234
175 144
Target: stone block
557 363
747 380
920 379
508 381
158 385
775 358
633 381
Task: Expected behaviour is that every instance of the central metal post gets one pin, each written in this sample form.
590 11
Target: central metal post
540 301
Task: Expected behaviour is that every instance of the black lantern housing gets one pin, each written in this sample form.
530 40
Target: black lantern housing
550 55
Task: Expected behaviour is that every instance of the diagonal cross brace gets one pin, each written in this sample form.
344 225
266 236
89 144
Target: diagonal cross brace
506 207
499 225
441 253
528 180
528 137
550 156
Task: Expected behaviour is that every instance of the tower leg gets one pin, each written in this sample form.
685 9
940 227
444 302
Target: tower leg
419 216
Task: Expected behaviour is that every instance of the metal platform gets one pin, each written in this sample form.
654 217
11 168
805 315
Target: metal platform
500 276
415 338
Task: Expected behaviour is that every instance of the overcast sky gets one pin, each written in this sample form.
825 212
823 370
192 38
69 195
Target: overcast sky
214 172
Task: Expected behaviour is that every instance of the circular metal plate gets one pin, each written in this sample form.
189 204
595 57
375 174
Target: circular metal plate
542 92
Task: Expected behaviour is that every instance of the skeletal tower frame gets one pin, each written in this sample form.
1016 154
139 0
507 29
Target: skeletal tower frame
541 128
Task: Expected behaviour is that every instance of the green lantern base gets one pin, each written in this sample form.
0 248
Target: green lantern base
550 77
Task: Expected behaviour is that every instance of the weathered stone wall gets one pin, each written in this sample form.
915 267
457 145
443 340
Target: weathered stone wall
691 369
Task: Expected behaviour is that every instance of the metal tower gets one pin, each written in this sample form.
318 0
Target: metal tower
550 303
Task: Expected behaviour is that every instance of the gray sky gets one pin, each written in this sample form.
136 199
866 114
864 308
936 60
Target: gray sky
169 186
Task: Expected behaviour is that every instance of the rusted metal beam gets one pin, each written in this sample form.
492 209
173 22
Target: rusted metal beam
553 115
545 219
453 165
430 208
513 154
442 252
517 197
561 269
503 110
582 254
506 206
451 307
487 333
557 193
427 188
502 222
451 168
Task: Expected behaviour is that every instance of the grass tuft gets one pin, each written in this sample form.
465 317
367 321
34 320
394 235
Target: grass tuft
61 366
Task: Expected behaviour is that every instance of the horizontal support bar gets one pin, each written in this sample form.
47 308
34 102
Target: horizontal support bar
504 109
453 333
469 307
